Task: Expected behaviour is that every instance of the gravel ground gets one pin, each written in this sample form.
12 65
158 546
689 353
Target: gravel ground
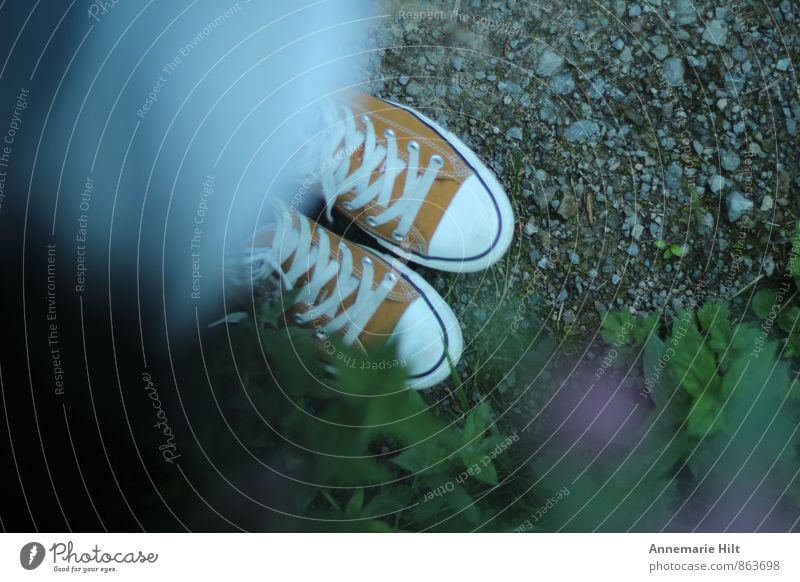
620 131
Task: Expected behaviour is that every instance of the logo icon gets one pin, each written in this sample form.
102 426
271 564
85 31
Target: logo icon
31 555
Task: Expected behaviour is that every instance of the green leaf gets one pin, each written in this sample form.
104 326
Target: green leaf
477 423
713 318
787 320
701 417
420 457
479 464
458 499
677 250
763 301
694 363
654 372
356 503
661 244
391 498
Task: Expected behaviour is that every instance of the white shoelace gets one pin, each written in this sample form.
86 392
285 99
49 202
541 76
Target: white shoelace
343 140
297 244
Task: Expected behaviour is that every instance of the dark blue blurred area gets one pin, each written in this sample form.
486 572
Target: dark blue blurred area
146 142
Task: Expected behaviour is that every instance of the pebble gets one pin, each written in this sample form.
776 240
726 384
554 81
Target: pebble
685 12
616 279
673 71
661 51
530 227
782 65
414 89
716 32
738 205
549 63
767 204
739 54
716 183
730 161
562 84
568 206
515 133
583 130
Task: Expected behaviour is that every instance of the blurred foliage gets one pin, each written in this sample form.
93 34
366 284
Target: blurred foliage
711 429
723 429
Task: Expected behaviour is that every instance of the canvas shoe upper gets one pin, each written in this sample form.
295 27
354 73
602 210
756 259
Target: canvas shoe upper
366 297
415 187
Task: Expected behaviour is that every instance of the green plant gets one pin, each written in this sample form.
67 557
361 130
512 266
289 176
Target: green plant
671 250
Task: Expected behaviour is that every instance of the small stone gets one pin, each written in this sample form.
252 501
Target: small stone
634 10
626 56
414 89
716 32
782 65
673 176
458 63
637 230
549 64
574 258
633 250
661 52
568 207
716 183
685 12
673 71
730 161
738 205
562 84
767 204
616 279
739 54
562 296
583 130
515 133
530 227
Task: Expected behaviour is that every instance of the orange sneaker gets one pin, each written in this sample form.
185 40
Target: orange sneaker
368 298
414 186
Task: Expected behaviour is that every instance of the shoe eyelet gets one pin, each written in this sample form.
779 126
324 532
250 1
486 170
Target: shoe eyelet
366 261
437 160
389 133
412 145
320 335
391 277
366 119
398 236
372 221
347 206
298 319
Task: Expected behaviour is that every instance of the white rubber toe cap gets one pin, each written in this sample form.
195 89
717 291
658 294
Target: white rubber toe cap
478 226
474 231
428 336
